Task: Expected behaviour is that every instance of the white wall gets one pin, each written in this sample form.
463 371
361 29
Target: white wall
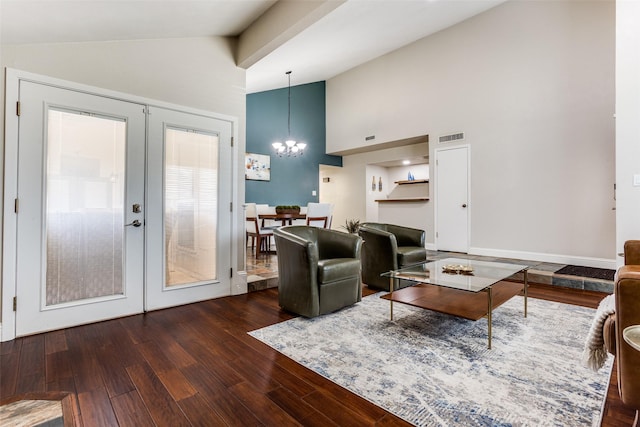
531 83
357 171
627 122
193 72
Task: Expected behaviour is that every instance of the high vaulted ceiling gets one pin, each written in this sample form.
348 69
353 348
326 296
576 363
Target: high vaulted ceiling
315 39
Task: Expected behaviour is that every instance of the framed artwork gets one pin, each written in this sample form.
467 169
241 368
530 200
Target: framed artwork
257 167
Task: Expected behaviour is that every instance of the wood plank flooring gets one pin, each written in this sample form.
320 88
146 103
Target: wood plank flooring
196 365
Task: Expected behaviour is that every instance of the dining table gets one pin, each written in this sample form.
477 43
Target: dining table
285 218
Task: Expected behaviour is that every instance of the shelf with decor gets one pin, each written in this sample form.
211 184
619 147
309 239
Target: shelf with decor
413 199
413 181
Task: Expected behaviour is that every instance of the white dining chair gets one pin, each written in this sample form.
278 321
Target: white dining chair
268 210
319 214
255 231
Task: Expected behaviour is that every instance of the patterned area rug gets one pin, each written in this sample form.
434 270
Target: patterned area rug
28 413
433 369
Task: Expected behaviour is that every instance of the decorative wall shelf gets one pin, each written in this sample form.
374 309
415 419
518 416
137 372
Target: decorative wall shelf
415 181
414 199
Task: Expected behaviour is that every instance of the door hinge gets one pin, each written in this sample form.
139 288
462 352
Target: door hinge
231 272
15 205
232 141
15 303
230 206
18 108
436 234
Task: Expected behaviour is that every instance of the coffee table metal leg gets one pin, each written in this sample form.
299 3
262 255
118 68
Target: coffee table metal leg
526 291
391 295
489 313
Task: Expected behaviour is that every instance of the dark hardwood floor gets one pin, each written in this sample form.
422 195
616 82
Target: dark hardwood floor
196 365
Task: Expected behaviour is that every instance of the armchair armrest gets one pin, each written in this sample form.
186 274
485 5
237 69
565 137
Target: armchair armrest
632 252
297 265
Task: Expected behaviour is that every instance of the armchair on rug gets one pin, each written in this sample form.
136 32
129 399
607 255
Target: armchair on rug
389 247
627 313
318 269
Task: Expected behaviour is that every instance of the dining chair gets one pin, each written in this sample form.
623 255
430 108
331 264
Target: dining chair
255 230
269 210
319 214
302 221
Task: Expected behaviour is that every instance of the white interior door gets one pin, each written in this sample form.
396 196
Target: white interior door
80 171
188 208
452 199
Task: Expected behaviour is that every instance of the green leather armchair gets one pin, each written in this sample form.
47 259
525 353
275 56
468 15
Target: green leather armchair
318 269
389 247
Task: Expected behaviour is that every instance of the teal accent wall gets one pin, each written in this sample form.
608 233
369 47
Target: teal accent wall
292 178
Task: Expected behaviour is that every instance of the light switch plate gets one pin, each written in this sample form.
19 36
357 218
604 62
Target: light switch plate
636 180
313 193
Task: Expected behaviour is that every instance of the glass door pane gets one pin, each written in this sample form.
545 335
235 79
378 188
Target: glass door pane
190 206
84 214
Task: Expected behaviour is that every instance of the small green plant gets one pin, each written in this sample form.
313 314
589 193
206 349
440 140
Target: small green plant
352 225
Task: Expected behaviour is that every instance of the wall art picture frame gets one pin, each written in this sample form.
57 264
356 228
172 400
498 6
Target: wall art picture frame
257 167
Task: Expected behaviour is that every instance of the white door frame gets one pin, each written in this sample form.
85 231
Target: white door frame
436 195
9 226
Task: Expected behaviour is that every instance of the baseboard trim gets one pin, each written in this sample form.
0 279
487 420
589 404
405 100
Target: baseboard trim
544 257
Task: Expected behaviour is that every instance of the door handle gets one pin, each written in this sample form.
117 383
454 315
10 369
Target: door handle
135 223
464 205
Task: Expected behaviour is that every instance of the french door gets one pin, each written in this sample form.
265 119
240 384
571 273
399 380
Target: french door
81 161
188 208
122 208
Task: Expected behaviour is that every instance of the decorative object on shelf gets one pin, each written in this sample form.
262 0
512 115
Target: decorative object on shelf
351 225
288 209
257 167
380 184
291 147
410 177
457 269
373 183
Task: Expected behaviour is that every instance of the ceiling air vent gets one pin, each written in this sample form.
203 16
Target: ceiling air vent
451 137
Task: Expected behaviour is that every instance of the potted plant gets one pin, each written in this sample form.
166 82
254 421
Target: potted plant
351 225
287 209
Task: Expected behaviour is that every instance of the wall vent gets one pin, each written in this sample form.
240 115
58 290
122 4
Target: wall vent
451 137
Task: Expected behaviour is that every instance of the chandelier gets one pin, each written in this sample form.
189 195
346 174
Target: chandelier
290 147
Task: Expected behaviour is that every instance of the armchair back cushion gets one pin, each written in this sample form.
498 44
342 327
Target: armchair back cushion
389 247
318 269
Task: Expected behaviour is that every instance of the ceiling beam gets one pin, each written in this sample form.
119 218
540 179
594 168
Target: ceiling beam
279 24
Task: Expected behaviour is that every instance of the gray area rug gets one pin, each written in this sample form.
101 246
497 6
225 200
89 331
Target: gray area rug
433 369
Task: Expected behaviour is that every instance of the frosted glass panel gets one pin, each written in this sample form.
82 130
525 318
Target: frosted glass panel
191 206
84 206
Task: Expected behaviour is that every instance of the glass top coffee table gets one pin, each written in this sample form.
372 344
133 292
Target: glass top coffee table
460 287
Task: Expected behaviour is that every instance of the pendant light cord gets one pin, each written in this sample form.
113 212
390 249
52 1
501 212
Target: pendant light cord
289 117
